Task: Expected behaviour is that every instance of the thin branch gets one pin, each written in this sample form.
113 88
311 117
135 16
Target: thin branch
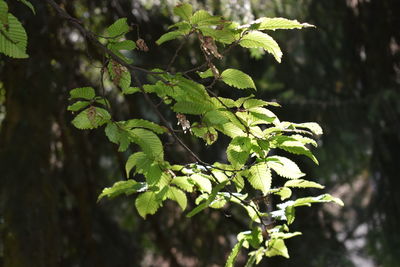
92 38
175 56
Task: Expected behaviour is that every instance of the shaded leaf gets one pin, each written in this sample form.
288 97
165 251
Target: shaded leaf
82 92
78 105
169 36
91 118
140 123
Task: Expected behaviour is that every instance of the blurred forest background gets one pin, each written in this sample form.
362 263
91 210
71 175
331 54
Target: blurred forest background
345 75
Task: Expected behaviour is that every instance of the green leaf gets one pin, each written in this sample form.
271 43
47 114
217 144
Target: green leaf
139 123
137 159
184 11
237 78
303 184
3 12
118 28
117 135
277 247
260 177
91 118
130 90
262 116
28 4
178 196
169 36
253 102
238 151
284 192
119 75
122 187
319 199
255 39
183 183
203 18
298 148
230 129
304 140
154 174
123 45
279 23
312 126
238 181
255 237
281 235
255 257
125 80
146 203
102 101
230 262
195 108
78 105
227 35
226 102
284 167
208 134
205 74
209 200
82 92
215 117
251 260
13 39
148 142
202 181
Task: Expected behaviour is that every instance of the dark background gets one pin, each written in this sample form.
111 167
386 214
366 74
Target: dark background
345 74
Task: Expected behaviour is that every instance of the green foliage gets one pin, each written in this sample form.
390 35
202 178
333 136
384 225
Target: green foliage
91 118
238 79
29 5
123 187
257 39
87 93
184 11
256 134
13 38
234 253
118 28
260 177
147 203
284 167
278 23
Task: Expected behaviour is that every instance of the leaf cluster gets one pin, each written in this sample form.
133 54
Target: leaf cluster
247 178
